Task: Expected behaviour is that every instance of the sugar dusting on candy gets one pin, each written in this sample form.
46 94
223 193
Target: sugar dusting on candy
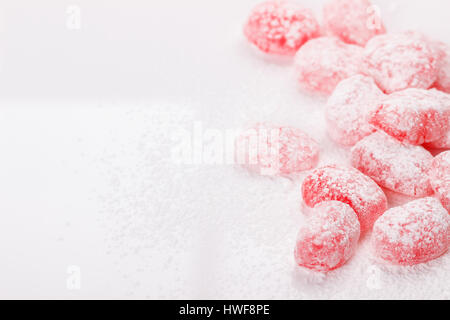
324 62
400 61
352 21
440 178
280 27
347 185
330 237
416 116
276 150
414 233
349 107
400 167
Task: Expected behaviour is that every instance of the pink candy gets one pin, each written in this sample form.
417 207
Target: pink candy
414 233
443 78
415 116
280 27
273 150
353 21
440 178
324 62
330 237
401 61
400 167
349 107
349 186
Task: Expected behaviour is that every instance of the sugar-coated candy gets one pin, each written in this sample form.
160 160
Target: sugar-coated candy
416 232
349 107
276 150
329 238
347 185
400 61
397 166
443 78
440 178
444 142
416 116
324 62
280 27
353 21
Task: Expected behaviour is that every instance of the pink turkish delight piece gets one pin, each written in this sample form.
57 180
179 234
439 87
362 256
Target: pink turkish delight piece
280 27
397 166
324 62
443 78
330 237
413 233
440 178
349 107
276 150
347 185
416 116
353 21
401 61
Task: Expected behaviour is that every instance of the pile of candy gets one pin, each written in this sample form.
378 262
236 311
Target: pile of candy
388 100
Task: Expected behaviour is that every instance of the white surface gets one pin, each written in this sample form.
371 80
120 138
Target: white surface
86 132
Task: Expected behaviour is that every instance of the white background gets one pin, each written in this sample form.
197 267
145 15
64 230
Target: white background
86 177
